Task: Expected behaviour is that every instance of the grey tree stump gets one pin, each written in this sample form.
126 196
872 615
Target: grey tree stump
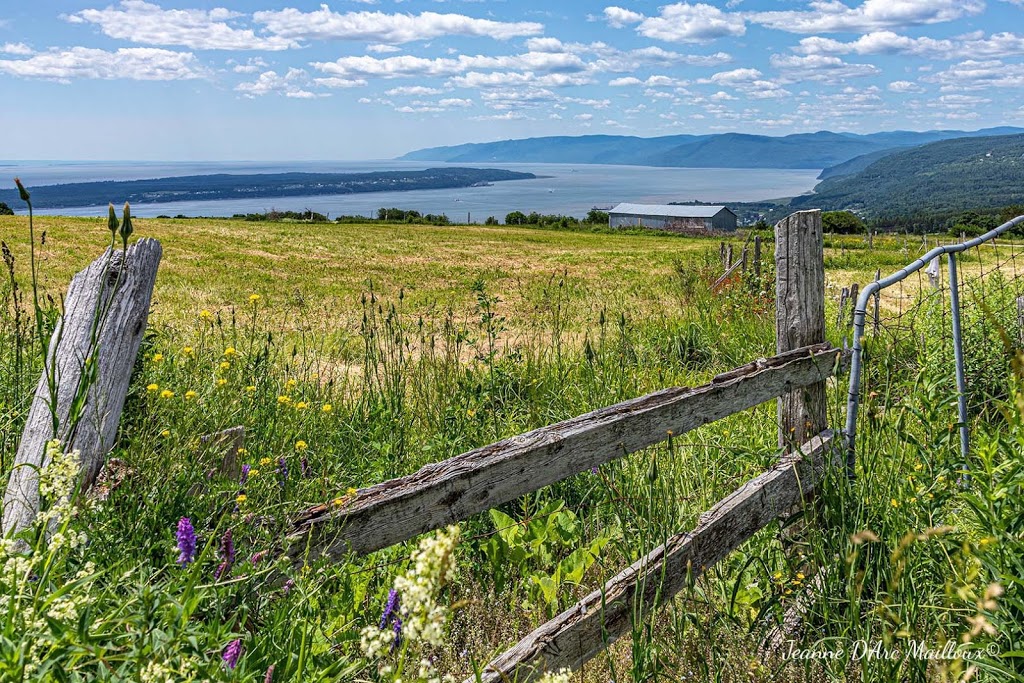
119 336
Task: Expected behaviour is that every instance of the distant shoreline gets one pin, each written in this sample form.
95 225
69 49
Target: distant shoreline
257 186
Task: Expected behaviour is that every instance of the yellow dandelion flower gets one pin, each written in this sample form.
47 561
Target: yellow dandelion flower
166 393
205 315
800 576
339 501
188 350
351 491
265 461
253 473
221 382
243 451
153 387
224 365
471 412
241 497
284 399
253 298
895 503
230 351
251 389
165 433
301 405
327 407
189 395
157 357
291 383
301 445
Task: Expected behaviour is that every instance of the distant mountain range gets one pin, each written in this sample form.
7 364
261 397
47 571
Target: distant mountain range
940 177
823 149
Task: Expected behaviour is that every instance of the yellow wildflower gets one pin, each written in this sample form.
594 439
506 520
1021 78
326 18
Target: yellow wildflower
221 382
165 433
284 399
895 503
188 350
230 351
166 393
351 491
205 315
301 445
339 501
301 405
224 365
157 357
265 461
327 407
251 389
243 451
241 497
290 383
253 473
152 387
253 298
189 395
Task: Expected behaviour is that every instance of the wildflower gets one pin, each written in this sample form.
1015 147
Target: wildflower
189 395
351 491
301 445
304 467
338 502
188 350
283 400
251 389
157 357
253 298
288 585
165 433
221 382
232 652
265 461
397 629
258 557
230 351
291 383
389 608
205 315
301 405
327 407
227 555
224 365
152 387
186 541
245 474
254 473
166 393
560 676
282 472
241 498
895 503
269 676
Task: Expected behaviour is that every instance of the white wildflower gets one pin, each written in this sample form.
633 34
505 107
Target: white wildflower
560 676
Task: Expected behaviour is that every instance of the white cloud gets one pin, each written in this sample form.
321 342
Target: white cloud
721 96
618 17
686 23
20 49
501 79
455 102
507 116
888 43
324 24
293 84
143 22
977 75
416 90
750 82
408 65
381 48
583 117
905 87
656 81
832 16
135 63
252 66
826 68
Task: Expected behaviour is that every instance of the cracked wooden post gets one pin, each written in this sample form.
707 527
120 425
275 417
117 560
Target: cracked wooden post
800 318
117 344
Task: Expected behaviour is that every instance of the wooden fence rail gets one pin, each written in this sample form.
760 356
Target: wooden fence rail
591 625
446 492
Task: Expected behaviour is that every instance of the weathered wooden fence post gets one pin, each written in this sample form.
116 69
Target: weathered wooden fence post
757 257
800 318
116 345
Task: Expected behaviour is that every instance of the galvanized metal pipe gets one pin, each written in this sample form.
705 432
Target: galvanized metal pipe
958 354
860 313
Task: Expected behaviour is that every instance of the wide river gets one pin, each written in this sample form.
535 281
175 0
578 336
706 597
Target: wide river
564 188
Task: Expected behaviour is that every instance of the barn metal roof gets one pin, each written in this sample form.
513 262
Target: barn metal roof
674 210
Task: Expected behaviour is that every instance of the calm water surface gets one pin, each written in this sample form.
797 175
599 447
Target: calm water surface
565 188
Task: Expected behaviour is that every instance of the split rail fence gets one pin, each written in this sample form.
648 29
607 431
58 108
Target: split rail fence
446 492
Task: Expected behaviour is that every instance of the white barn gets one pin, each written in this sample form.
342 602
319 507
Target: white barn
672 217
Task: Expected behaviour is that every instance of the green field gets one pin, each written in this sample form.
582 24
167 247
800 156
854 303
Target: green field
356 353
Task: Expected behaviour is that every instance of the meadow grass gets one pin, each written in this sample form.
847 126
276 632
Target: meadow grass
353 354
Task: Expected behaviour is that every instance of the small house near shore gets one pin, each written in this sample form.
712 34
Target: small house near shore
673 217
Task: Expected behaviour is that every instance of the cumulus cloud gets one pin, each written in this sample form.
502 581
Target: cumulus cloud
380 27
293 84
680 22
408 65
974 74
20 49
889 43
826 68
617 17
134 63
381 48
750 82
905 87
832 16
414 90
143 22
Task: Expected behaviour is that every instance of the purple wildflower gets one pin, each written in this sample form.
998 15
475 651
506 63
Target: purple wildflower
227 555
269 676
288 585
282 471
245 474
258 557
389 609
232 652
397 628
186 541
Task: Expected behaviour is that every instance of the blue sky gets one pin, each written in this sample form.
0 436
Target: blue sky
371 79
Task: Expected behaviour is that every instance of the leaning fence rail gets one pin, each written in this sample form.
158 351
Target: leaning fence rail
872 289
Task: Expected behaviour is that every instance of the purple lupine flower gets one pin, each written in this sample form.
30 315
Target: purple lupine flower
282 471
232 652
186 541
397 628
258 557
389 609
245 474
227 555
304 468
269 676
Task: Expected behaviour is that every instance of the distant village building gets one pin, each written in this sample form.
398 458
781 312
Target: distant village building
673 217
